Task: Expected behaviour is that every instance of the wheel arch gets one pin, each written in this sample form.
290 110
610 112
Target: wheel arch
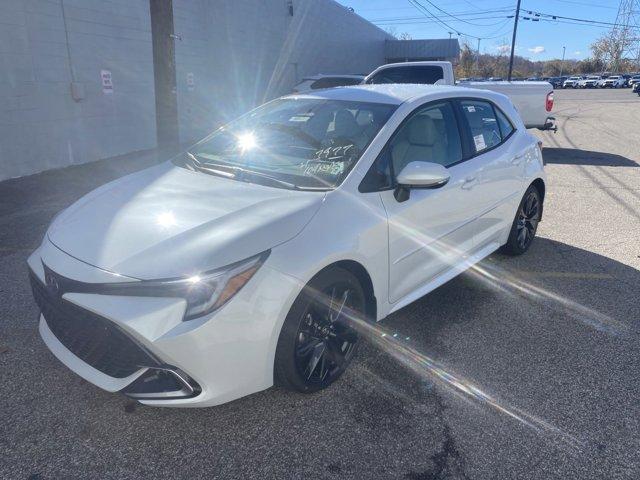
361 273
539 184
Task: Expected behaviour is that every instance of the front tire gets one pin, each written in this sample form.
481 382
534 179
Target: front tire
525 224
317 341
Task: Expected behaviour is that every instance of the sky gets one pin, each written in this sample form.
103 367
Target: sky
540 40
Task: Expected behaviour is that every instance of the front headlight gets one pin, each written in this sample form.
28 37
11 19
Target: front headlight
204 293
209 291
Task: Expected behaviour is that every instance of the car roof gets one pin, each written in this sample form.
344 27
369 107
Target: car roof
393 94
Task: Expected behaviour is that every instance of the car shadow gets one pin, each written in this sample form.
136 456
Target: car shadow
552 274
574 156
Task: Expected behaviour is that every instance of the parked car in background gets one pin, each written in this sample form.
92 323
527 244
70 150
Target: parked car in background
591 81
572 82
317 82
614 81
495 79
633 80
556 82
262 254
534 100
636 88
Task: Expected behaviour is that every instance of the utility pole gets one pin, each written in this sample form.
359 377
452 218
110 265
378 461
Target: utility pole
562 62
164 73
478 58
513 40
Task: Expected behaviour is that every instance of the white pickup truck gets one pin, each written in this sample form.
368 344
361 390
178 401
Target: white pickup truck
533 100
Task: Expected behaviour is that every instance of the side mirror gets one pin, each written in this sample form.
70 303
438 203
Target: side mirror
420 175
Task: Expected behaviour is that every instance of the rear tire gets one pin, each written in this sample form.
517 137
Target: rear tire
525 224
317 341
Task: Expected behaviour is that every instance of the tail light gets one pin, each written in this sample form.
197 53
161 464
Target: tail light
549 103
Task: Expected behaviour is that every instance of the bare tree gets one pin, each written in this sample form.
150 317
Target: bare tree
466 64
610 48
393 31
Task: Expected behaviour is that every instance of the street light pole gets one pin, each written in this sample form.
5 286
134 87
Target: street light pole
513 40
562 62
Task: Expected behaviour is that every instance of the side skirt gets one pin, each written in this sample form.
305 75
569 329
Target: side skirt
445 277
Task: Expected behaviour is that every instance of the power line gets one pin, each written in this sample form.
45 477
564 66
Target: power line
552 17
418 22
448 14
423 9
460 14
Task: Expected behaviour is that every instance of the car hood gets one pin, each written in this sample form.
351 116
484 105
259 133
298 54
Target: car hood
167 221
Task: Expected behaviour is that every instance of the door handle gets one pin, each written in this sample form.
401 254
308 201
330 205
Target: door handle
517 159
469 182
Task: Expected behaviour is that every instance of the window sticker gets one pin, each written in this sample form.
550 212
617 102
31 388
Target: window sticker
301 118
479 141
318 167
471 108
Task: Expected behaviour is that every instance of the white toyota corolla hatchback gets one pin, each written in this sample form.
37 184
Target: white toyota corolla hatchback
249 259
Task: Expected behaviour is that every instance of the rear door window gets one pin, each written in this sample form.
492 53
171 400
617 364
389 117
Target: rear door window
420 74
483 124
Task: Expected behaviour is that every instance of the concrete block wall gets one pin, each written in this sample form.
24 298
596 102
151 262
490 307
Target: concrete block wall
231 56
41 125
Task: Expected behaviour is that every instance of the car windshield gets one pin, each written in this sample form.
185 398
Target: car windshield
297 143
593 78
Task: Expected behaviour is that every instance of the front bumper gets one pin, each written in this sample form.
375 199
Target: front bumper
168 362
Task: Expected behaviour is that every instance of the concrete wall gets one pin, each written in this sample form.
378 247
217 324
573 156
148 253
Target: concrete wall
41 126
237 53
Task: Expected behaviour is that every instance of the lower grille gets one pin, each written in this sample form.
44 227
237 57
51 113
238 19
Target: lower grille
92 338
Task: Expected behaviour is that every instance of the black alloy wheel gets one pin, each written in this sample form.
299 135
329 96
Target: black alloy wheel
528 218
525 224
325 342
318 340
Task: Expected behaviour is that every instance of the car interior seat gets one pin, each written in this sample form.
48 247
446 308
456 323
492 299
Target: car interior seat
419 143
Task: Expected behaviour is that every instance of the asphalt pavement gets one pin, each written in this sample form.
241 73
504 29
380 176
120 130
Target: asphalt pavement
521 368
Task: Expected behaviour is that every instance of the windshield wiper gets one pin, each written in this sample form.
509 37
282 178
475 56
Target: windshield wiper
198 166
235 172
244 172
